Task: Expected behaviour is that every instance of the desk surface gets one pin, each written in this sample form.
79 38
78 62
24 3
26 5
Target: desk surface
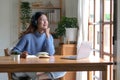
54 63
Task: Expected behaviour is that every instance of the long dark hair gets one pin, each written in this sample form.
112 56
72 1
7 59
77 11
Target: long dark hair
33 24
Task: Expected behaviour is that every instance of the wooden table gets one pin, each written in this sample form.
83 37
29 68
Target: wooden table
54 63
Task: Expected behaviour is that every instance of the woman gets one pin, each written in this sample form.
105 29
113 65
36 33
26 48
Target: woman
36 38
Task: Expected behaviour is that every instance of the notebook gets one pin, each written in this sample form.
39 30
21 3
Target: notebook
39 55
83 51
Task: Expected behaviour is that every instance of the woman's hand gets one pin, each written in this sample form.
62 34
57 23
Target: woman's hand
47 31
24 54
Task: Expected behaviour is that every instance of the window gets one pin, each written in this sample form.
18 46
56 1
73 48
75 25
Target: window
100 29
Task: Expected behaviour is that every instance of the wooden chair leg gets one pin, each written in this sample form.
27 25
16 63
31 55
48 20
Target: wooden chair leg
9 76
89 73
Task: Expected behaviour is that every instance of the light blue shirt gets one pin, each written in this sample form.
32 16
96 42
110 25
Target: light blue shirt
34 43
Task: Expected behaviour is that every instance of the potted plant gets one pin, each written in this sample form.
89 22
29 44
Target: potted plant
15 56
25 14
67 26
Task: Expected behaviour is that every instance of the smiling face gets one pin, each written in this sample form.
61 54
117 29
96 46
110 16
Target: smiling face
42 23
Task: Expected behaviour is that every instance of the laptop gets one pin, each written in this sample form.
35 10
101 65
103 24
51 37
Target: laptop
83 51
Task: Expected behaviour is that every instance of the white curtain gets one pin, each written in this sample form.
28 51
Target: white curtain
83 11
83 6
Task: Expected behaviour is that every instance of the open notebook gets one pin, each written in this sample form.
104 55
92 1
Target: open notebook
39 55
83 51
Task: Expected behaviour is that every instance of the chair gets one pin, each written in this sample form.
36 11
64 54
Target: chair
6 51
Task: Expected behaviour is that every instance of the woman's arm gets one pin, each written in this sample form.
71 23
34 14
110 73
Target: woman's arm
49 46
20 45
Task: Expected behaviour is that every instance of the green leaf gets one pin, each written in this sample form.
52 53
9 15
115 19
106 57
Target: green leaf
66 22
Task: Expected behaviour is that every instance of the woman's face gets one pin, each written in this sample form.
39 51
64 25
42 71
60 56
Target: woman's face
42 22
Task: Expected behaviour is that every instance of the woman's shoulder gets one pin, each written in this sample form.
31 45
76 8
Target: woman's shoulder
29 35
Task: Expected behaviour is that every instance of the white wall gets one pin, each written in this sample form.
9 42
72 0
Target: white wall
71 8
8 23
4 24
13 22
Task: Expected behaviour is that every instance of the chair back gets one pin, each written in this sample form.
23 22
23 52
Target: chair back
6 51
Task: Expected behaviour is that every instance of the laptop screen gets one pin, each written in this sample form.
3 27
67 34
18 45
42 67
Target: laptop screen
84 49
